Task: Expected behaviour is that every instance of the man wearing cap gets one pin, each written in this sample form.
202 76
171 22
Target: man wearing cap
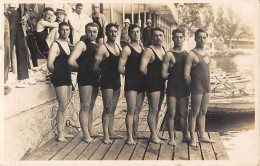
78 21
147 34
125 39
101 21
46 29
60 15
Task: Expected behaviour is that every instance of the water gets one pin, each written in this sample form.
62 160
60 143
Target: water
237 130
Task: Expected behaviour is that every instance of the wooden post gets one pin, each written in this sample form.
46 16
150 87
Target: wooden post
132 12
144 15
123 13
111 13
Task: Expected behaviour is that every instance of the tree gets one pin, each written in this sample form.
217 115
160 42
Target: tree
195 15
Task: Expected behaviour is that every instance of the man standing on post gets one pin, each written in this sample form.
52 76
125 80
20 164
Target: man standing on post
125 39
82 59
197 77
101 21
151 66
177 90
107 57
129 64
78 21
147 34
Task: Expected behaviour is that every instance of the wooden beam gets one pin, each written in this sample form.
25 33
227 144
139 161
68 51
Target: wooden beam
144 15
132 12
111 13
123 13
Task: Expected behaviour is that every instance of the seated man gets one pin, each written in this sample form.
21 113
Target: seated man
46 28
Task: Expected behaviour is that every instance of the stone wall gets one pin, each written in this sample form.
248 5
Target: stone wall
25 130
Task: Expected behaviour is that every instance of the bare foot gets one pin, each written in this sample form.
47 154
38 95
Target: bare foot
106 141
185 138
68 135
138 135
205 139
88 140
115 136
94 134
194 144
130 141
172 142
61 139
156 141
161 137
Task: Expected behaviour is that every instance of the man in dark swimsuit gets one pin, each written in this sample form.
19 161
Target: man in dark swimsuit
46 30
151 66
129 63
58 65
177 90
197 77
107 57
82 59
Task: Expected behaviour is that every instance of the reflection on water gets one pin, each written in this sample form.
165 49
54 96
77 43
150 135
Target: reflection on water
236 130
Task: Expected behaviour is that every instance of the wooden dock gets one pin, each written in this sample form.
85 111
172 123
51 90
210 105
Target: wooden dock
76 149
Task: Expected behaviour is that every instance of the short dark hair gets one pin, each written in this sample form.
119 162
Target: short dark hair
62 24
178 31
199 31
91 24
132 26
111 25
48 9
79 4
157 29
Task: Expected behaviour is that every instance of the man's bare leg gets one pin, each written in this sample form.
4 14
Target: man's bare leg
69 93
162 94
62 96
112 134
153 100
90 113
85 97
183 103
202 117
171 103
195 108
139 104
107 95
131 106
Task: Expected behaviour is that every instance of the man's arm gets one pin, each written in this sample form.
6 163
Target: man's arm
49 24
53 53
123 59
77 50
146 57
99 57
166 63
187 68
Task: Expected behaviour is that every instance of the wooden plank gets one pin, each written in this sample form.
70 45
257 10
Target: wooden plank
166 151
91 148
219 149
152 151
34 155
140 148
195 154
181 148
127 151
68 148
115 149
101 151
53 150
74 154
207 151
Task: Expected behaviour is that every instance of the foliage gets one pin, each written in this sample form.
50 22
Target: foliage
195 15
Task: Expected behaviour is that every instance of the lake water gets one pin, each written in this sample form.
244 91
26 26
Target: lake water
237 130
